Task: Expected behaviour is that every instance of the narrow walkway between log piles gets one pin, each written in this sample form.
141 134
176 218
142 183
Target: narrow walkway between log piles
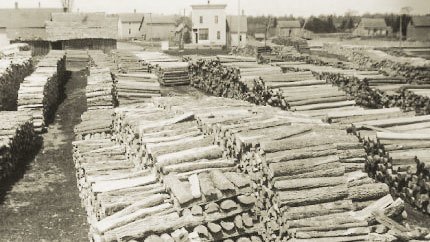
44 204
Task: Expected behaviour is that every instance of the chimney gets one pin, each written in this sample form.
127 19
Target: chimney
209 1
16 5
39 4
134 10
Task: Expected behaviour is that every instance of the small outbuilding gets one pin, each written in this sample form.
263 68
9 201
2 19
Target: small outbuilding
419 28
158 27
288 28
371 27
235 24
131 23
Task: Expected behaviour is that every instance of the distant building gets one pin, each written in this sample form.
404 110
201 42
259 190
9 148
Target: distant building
370 27
259 36
288 28
26 25
158 27
96 31
131 23
419 28
232 28
209 24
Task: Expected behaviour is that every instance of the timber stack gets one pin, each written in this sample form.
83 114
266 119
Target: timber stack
14 67
18 141
128 62
398 154
137 87
77 60
172 73
150 59
42 91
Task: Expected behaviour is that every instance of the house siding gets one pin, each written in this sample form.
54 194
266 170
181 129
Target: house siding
209 23
418 33
130 30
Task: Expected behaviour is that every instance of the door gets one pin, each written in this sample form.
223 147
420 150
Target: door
197 38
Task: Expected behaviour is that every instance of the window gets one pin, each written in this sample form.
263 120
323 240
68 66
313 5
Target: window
218 35
240 37
216 19
201 19
129 31
203 34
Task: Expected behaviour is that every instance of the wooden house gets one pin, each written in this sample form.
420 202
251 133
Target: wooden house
419 28
371 27
288 28
209 25
83 31
131 23
235 24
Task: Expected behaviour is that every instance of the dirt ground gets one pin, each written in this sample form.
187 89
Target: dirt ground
44 205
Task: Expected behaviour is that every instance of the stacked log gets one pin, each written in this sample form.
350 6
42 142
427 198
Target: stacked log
397 154
137 87
128 62
416 97
94 124
42 91
13 69
101 89
172 73
18 141
150 59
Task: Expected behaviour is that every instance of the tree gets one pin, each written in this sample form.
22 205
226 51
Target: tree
187 37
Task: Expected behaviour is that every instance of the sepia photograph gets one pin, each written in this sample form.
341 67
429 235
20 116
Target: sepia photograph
214 120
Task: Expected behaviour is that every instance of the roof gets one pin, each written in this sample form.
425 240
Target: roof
26 17
233 23
159 19
373 23
131 17
209 6
421 21
289 24
259 35
66 26
27 34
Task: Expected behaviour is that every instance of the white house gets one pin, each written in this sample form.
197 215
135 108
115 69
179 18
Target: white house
237 23
131 23
209 24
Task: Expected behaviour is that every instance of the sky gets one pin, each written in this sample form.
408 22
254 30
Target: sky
302 8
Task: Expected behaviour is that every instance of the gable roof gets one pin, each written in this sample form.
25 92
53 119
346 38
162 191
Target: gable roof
66 26
26 17
131 17
233 23
289 24
373 23
421 21
159 19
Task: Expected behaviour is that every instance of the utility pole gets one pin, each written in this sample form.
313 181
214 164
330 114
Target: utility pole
150 28
403 11
238 21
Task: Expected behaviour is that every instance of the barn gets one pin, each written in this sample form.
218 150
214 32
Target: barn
94 31
288 28
371 27
419 28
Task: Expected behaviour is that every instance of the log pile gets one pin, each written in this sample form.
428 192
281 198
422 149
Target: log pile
172 73
128 62
13 69
398 154
95 124
18 141
101 89
150 59
137 87
416 97
42 91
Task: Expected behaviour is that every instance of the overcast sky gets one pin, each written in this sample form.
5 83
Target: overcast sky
251 7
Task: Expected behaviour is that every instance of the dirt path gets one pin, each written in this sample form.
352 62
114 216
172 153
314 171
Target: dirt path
44 205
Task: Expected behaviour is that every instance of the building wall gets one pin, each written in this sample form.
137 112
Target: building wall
160 31
3 37
419 34
359 31
130 30
208 16
288 32
234 39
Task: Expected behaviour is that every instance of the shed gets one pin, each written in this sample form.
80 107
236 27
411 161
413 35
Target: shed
83 31
288 28
158 27
419 28
232 28
371 27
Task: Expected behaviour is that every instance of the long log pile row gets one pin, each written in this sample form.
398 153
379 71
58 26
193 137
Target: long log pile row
151 59
128 62
137 87
399 155
172 73
101 90
77 60
18 141
42 91
13 69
